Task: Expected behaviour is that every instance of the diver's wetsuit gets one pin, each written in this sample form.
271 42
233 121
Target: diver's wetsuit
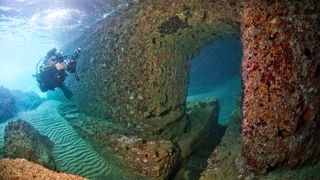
51 78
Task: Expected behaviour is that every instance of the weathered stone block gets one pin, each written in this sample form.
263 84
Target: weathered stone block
134 69
21 140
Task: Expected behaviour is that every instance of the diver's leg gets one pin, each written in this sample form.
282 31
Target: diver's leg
67 93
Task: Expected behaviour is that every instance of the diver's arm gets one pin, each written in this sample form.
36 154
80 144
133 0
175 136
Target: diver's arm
52 68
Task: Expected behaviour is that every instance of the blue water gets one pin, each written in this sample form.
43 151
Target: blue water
215 73
29 28
226 93
216 63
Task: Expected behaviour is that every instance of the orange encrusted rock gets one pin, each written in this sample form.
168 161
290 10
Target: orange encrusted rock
25 170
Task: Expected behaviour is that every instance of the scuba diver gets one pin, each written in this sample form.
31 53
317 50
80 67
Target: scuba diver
53 70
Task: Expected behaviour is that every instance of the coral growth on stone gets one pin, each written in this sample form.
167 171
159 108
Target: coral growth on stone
281 86
138 60
226 161
21 140
7 104
23 169
138 66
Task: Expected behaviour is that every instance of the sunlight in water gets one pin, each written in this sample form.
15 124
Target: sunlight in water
57 18
28 29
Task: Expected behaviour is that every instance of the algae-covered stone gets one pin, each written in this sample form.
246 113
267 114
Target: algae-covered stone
21 140
157 158
153 159
138 75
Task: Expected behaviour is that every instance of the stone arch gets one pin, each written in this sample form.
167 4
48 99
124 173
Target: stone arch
134 71
142 55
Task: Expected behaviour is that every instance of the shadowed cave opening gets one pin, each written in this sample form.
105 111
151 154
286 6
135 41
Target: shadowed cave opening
215 73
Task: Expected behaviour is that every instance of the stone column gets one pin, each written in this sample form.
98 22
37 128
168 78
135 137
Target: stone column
134 66
281 77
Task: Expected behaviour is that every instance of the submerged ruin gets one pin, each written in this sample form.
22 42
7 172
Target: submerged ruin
134 74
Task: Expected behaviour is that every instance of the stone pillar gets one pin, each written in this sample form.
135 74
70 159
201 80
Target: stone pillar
281 77
134 66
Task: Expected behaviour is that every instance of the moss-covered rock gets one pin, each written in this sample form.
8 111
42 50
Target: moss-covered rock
145 158
134 66
21 140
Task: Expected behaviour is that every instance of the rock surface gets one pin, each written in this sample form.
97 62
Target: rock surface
281 78
226 161
23 169
21 140
137 61
7 104
157 158
209 136
14 101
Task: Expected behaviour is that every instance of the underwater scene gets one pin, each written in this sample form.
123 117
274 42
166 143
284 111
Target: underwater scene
159 89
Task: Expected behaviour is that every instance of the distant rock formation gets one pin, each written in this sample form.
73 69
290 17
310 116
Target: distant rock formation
14 101
21 140
26 101
8 107
23 169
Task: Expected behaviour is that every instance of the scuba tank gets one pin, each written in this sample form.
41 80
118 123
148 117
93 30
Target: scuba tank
41 74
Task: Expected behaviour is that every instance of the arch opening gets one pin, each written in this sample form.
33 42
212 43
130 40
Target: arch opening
215 73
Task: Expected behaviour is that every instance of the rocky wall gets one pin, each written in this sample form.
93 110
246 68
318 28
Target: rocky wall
134 65
280 71
227 163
